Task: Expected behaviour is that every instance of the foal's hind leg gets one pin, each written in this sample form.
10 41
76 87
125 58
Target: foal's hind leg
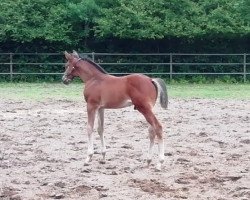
156 129
100 132
152 141
91 110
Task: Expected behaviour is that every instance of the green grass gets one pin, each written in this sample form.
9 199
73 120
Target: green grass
42 91
210 91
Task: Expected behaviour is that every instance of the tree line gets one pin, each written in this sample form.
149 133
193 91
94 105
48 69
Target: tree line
125 26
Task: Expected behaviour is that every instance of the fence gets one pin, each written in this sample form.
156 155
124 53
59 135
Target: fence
168 64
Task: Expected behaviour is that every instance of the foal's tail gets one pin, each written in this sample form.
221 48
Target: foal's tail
162 91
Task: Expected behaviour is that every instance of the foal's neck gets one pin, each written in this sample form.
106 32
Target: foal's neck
87 71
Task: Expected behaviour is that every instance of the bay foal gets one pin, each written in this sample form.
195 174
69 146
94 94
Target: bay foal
104 91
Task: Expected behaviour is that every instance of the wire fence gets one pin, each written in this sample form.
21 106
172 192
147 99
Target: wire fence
165 64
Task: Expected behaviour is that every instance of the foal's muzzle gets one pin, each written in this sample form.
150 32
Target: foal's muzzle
65 79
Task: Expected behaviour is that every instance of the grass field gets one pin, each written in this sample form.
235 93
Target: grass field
40 91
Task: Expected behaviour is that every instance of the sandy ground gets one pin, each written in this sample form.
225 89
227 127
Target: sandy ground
43 147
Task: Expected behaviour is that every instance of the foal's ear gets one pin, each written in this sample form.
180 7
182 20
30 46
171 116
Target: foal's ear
75 54
67 55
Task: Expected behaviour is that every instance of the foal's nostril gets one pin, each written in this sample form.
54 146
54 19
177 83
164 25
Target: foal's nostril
65 80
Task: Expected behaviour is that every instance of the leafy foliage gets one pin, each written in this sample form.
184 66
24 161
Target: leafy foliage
69 23
51 21
174 18
25 21
244 8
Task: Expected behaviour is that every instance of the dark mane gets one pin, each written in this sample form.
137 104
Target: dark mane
95 65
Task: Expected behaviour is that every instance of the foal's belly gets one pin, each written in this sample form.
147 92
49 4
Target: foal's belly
116 104
114 94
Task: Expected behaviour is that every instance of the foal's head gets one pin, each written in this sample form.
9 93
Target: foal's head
70 67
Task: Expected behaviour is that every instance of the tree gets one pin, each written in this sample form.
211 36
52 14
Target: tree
26 20
82 15
244 8
174 18
52 21
70 24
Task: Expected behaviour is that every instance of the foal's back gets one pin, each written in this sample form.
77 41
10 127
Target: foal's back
117 92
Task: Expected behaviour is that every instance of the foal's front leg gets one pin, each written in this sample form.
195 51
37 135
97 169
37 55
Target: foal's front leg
91 110
100 132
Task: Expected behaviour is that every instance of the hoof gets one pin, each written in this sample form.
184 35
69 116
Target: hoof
149 161
158 167
88 160
103 155
102 162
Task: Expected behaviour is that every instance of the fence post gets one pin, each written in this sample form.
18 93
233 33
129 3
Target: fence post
11 67
93 56
244 67
171 66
